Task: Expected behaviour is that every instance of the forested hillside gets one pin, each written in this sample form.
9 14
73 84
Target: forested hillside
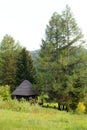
58 69
35 55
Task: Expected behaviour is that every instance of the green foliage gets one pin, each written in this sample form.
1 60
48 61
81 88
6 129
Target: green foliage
25 67
8 52
42 98
63 61
15 105
16 63
32 101
51 105
5 92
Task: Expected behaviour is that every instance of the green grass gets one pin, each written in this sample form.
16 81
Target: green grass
38 118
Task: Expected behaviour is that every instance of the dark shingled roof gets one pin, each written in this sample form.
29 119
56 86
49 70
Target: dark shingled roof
25 89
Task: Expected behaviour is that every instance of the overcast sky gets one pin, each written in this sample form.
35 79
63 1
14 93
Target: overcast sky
25 20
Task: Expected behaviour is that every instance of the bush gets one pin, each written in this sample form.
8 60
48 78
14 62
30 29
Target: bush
5 92
15 105
81 108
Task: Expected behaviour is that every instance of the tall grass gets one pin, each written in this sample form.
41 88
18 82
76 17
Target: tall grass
16 115
41 119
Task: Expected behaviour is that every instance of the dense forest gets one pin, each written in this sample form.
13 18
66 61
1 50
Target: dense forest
58 70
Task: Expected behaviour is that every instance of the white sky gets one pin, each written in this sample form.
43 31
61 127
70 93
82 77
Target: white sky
25 20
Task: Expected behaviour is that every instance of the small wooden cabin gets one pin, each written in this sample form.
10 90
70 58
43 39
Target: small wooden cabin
25 90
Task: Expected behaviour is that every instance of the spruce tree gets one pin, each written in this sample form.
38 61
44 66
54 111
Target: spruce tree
25 67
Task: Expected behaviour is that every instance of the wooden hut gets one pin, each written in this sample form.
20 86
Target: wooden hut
25 90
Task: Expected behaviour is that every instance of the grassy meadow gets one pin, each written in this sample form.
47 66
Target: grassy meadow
39 118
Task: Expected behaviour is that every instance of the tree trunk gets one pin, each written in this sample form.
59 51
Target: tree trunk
63 106
59 108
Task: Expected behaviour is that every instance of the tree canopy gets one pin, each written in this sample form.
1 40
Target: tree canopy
62 60
16 63
25 67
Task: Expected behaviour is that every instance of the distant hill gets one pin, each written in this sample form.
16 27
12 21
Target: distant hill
34 55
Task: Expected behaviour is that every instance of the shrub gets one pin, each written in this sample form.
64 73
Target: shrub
81 108
5 92
15 105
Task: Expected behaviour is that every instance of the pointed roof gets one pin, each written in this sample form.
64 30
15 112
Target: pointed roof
25 89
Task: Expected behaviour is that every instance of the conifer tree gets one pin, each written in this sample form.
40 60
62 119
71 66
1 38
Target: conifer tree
25 67
8 53
62 60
